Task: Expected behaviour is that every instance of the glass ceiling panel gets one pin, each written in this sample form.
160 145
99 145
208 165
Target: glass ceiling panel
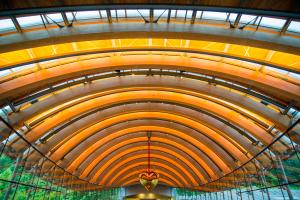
55 17
103 14
189 14
82 15
272 22
232 17
145 12
158 13
70 15
173 13
6 25
113 13
248 19
214 15
30 21
133 13
181 13
198 14
121 13
294 27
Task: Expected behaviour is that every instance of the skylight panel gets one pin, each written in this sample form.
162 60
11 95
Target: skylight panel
158 13
294 26
55 17
30 21
121 13
5 72
132 13
189 14
70 16
181 13
232 17
103 14
145 12
248 19
272 22
173 13
113 13
198 14
6 25
82 15
214 15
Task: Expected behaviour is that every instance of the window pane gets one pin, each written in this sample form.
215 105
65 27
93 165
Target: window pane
248 18
189 14
82 15
232 17
70 16
294 27
198 14
55 17
214 15
103 13
158 13
121 13
30 21
173 12
181 13
272 22
113 13
132 13
145 12
6 25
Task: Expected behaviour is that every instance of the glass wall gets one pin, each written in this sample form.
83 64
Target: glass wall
269 175
25 173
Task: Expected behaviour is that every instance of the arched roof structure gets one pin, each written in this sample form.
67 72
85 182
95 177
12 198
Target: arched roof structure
212 95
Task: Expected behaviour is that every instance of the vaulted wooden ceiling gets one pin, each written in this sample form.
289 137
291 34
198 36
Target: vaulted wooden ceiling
90 94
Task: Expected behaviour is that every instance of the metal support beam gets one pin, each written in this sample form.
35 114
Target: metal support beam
237 20
109 16
151 15
169 15
11 105
16 23
287 109
193 16
65 18
286 25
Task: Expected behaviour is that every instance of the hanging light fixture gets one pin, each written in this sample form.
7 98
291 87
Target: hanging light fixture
149 178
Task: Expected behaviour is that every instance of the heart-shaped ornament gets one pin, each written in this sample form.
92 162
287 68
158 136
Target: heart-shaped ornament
149 180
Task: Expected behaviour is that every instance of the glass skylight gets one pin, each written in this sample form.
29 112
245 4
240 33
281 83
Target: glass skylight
248 19
30 21
173 13
158 13
214 15
232 17
103 14
55 17
6 25
144 12
121 13
181 13
272 22
198 14
294 26
189 14
82 15
137 13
